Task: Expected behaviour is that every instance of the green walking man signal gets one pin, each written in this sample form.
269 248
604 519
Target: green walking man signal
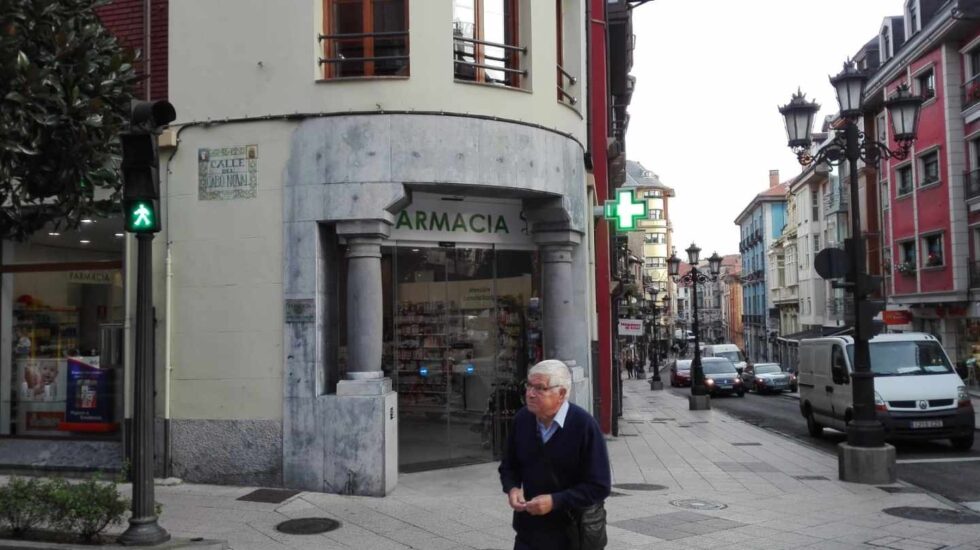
141 217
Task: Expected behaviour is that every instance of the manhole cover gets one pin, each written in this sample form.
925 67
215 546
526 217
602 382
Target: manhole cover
307 526
640 486
811 478
901 490
269 496
933 515
698 504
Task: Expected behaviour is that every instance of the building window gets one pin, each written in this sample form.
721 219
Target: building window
974 62
655 238
485 42
655 193
815 204
364 38
929 168
904 177
884 195
656 262
656 214
816 244
926 83
912 11
907 252
885 44
881 124
933 246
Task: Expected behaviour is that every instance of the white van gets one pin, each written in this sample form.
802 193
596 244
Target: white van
728 351
918 395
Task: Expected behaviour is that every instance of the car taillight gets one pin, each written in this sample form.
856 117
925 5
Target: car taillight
880 403
967 404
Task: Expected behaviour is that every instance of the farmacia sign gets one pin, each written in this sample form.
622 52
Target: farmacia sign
430 218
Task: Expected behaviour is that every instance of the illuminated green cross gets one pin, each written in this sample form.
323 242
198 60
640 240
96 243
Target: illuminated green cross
626 210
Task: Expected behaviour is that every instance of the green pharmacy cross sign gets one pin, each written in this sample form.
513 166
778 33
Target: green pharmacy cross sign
625 210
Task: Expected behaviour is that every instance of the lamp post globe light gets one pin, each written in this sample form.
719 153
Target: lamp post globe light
699 400
864 458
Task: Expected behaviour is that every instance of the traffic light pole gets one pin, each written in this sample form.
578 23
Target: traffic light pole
143 527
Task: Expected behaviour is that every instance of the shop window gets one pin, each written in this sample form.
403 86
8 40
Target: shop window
365 38
904 177
929 168
926 84
61 370
933 247
486 42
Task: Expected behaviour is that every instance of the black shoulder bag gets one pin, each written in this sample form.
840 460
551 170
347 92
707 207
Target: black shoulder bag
587 525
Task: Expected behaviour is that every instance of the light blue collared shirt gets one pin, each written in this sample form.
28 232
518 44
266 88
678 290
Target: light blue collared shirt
557 422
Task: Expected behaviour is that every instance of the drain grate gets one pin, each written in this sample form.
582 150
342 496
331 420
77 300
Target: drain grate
268 496
811 478
639 486
934 515
748 444
662 419
307 526
698 504
901 490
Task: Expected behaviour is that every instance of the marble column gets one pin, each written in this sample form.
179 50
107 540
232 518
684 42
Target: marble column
364 308
557 248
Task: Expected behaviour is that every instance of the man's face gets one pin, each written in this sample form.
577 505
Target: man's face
546 402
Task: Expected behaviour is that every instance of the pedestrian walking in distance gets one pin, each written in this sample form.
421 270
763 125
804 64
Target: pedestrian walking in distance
629 366
555 469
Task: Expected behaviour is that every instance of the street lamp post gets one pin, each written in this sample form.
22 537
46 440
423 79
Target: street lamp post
655 382
864 458
699 400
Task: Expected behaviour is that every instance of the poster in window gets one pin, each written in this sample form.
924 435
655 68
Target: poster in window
89 405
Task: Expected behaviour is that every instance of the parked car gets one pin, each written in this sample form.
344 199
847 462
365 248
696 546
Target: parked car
728 351
680 373
721 378
768 378
917 395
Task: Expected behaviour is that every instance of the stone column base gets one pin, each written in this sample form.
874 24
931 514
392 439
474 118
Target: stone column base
871 465
699 402
360 427
656 384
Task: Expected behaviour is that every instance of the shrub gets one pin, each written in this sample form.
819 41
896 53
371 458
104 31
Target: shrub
22 505
85 508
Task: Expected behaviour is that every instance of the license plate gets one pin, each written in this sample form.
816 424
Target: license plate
916 424
725 386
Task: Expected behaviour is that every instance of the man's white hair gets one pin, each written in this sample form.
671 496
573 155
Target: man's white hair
557 372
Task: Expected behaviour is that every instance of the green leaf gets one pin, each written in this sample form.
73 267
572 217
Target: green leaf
22 61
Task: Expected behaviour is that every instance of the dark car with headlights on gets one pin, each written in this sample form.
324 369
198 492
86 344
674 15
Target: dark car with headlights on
680 373
768 378
721 378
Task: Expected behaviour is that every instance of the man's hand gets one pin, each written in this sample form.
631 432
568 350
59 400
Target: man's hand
516 499
540 505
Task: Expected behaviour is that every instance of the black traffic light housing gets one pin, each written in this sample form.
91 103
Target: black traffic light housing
141 165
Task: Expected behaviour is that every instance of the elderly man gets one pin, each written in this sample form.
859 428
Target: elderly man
555 462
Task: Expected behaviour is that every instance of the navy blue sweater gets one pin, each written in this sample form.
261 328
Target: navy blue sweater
578 457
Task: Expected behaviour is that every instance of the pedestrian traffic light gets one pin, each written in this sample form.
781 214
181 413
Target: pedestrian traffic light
141 165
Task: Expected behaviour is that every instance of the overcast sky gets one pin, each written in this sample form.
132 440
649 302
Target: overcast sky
710 77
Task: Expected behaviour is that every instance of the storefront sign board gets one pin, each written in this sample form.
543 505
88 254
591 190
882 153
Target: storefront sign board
631 327
896 317
228 173
474 220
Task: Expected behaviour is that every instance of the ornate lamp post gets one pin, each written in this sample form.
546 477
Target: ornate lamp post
864 458
655 382
699 399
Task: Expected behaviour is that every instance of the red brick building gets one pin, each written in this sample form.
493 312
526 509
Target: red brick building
137 23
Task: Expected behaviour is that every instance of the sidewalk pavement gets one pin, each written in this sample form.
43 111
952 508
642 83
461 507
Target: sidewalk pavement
725 484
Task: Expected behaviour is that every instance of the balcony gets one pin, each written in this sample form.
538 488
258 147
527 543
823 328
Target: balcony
784 295
972 182
971 92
